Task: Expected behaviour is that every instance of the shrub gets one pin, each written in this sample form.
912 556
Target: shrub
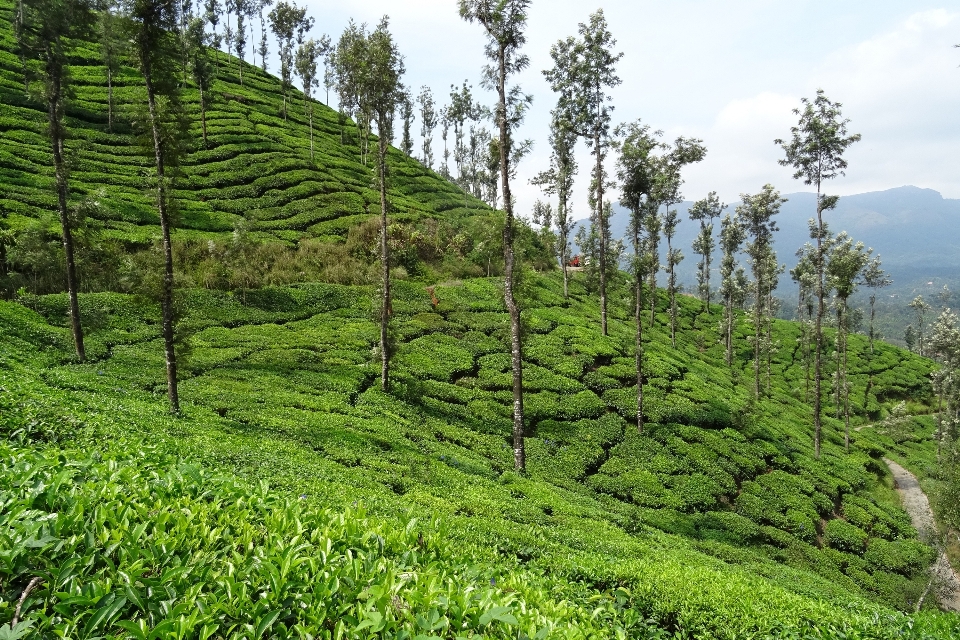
843 536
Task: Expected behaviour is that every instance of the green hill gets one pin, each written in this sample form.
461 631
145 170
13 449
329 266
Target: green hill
293 498
256 172
715 522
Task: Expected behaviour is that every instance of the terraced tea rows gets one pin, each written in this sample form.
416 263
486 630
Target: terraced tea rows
280 388
257 166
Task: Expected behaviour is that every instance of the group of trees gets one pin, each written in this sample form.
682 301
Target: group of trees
171 45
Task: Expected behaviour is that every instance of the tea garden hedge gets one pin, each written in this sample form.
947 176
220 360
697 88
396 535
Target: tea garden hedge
295 499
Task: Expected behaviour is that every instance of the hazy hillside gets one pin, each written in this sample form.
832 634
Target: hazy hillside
915 231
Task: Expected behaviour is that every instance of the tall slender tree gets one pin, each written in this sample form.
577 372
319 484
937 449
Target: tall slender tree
756 214
368 69
732 235
815 150
505 23
111 50
845 266
428 123
48 27
636 172
406 116
558 181
200 69
386 94
876 279
264 48
704 211
153 33
211 12
240 36
920 307
584 72
804 274
308 55
289 24
674 257
666 192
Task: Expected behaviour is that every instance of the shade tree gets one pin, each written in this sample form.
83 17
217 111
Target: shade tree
112 47
306 61
583 74
637 167
815 151
47 29
876 279
845 267
289 24
756 214
705 211
504 22
407 117
732 235
920 308
557 181
429 118
152 26
202 72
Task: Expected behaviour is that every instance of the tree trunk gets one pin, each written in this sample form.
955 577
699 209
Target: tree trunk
818 331
203 117
167 295
310 118
639 337
109 100
385 263
769 344
729 330
601 223
846 391
673 293
839 345
757 329
516 353
56 139
873 311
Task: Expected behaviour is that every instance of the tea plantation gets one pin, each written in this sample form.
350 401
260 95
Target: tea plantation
295 499
257 166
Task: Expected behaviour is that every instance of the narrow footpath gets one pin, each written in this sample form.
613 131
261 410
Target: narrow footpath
916 504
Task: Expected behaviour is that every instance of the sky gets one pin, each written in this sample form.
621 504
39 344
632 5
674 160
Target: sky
727 72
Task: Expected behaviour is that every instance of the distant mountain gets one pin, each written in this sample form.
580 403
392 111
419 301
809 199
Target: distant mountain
915 231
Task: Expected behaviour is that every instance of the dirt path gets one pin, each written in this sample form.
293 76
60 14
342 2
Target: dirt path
916 504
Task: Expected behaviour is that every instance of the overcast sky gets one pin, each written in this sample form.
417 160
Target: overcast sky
727 72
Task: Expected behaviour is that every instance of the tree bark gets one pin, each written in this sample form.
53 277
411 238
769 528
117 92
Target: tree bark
385 264
203 117
516 353
673 293
601 223
846 391
110 100
757 329
639 338
729 330
166 301
818 330
55 78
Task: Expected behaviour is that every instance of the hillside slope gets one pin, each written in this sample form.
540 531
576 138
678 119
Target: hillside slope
257 167
716 522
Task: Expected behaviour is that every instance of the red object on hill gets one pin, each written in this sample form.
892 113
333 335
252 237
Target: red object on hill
575 261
